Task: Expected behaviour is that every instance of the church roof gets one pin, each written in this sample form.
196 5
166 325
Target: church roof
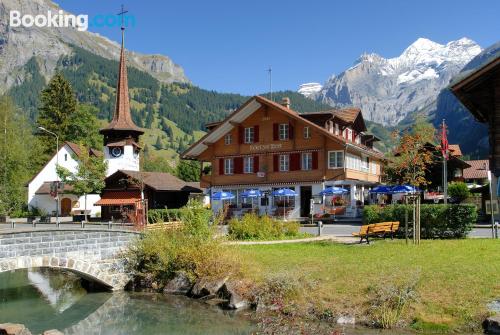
158 181
122 120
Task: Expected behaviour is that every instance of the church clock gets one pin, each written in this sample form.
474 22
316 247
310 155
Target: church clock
116 151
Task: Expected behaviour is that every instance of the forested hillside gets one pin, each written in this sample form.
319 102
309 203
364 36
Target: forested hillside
173 114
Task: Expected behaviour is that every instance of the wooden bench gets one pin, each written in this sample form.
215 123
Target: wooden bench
164 226
377 229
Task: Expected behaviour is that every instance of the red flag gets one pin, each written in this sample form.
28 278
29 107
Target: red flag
444 141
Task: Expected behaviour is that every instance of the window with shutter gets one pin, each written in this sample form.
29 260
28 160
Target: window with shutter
256 164
276 132
248 165
256 133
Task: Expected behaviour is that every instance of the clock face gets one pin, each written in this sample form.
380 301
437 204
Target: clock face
116 151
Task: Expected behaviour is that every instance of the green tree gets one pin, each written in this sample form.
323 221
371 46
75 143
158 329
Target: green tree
84 127
156 164
458 190
158 143
58 108
188 170
17 153
89 175
411 160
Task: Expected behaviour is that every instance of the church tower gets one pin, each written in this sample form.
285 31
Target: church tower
121 136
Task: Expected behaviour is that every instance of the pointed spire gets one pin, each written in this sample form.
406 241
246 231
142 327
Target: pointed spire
122 120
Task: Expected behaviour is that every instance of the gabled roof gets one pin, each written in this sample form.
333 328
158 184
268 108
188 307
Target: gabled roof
247 109
158 181
76 150
346 116
478 169
455 150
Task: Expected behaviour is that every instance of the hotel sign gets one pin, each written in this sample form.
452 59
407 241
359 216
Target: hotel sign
265 147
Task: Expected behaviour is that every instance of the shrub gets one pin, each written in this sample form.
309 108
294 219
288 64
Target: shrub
173 214
253 227
390 302
193 249
436 221
459 191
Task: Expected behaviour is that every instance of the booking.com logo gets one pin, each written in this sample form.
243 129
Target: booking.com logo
60 19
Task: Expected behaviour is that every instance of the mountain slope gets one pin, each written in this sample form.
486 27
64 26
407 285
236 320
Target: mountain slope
173 114
388 90
19 45
464 129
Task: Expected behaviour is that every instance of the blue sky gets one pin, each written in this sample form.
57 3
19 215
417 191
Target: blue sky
228 45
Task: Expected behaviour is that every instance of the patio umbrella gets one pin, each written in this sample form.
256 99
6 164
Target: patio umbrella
252 194
222 196
381 189
404 189
284 192
331 191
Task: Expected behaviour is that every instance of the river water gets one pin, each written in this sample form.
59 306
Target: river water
46 299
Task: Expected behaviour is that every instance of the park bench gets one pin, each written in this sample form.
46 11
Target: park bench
164 226
381 229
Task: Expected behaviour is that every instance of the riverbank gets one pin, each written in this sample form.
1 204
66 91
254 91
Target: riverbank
447 283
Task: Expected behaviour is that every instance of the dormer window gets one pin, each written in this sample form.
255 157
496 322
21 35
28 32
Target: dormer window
358 139
349 134
337 129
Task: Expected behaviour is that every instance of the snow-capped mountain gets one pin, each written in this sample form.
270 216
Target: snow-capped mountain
309 89
19 44
388 90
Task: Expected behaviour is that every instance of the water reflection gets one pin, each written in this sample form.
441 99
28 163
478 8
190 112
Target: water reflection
50 299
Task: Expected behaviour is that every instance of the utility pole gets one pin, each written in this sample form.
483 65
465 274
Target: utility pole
270 70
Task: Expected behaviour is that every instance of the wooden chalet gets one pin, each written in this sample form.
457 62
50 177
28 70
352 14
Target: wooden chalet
266 145
124 191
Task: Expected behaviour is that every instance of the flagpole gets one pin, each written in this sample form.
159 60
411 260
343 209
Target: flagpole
444 145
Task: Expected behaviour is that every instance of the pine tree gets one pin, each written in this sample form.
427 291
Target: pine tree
58 107
158 143
188 170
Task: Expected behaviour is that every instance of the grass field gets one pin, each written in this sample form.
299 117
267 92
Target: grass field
456 278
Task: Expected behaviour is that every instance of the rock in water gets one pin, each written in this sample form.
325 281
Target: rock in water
207 287
13 329
180 284
235 292
492 325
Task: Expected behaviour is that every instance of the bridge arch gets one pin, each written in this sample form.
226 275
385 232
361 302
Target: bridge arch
93 254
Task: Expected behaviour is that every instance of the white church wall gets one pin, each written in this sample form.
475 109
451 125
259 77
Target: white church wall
46 202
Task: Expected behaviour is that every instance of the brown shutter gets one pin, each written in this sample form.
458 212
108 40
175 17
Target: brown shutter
291 131
276 163
276 131
256 134
221 166
315 160
294 162
241 135
256 164
238 165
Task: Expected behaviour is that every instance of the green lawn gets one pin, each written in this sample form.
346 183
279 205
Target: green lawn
456 277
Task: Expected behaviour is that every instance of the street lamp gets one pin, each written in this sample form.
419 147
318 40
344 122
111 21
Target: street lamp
57 164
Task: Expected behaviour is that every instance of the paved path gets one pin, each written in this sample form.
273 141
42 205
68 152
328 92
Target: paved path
333 238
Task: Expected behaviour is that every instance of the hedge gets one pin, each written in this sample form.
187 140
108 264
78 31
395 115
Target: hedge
169 215
436 221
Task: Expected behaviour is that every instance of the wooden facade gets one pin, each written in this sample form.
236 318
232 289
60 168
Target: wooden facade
265 144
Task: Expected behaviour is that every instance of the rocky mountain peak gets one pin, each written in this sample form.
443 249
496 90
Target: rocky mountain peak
389 89
19 44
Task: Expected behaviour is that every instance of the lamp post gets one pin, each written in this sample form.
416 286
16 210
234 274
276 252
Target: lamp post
57 164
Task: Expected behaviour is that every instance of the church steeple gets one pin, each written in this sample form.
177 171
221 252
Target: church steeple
122 126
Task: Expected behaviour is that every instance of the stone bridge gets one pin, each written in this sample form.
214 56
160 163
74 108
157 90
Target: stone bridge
93 254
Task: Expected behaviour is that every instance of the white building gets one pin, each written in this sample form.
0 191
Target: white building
69 204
